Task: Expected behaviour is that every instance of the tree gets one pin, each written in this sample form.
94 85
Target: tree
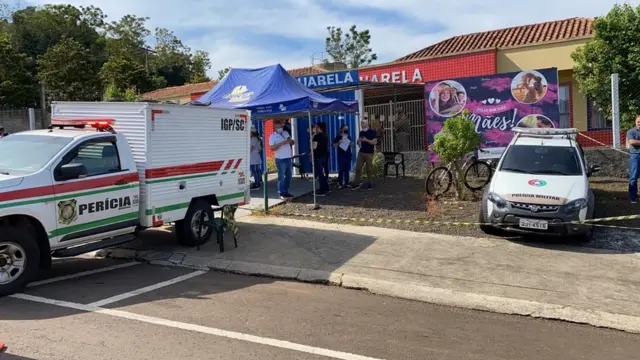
222 73
18 87
113 92
457 138
354 49
613 49
67 71
173 58
122 72
200 64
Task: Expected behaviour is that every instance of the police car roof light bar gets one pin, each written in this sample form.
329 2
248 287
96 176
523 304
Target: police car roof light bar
544 131
100 124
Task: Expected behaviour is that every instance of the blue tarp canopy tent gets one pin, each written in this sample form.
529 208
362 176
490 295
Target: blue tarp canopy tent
272 93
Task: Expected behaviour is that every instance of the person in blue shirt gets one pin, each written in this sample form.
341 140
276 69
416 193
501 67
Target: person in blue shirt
367 139
633 144
344 156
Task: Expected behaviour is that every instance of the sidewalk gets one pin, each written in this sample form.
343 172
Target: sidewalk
592 286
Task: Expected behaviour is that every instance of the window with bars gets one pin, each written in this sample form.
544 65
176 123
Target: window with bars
564 100
596 119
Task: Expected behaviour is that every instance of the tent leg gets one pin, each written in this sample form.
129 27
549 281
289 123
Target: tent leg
313 163
265 174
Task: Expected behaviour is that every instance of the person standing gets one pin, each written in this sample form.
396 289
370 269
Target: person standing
633 144
343 144
320 150
367 140
280 143
256 158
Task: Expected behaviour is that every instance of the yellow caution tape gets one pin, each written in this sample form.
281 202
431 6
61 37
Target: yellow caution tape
592 222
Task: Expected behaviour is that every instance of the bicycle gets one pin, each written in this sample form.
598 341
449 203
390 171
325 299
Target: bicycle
477 174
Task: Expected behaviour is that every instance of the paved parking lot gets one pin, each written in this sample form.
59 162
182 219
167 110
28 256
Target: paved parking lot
102 309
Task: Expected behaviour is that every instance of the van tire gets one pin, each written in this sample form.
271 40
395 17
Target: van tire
185 232
23 245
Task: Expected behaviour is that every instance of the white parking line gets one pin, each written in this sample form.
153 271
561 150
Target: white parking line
84 273
146 289
201 329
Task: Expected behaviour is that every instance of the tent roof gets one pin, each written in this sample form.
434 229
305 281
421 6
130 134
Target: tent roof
271 92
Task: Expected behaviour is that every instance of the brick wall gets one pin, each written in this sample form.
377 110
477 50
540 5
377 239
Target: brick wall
16 120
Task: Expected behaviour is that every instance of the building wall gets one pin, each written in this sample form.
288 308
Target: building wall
473 64
558 55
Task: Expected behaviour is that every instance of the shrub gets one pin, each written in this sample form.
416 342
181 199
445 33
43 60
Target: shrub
457 138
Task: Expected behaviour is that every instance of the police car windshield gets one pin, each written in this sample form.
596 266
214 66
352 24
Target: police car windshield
26 154
545 160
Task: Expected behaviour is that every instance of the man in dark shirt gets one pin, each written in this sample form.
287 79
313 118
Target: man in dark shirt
320 157
367 141
633 144
3 133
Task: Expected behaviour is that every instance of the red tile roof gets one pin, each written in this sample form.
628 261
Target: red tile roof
506 38
186 90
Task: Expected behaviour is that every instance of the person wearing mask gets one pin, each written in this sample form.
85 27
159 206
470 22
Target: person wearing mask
280 143
367 141
343 144
633 144
256 158
320 150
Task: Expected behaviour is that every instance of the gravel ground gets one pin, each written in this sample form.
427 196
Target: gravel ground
404 199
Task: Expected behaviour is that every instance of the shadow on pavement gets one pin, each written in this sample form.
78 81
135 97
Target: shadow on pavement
277 245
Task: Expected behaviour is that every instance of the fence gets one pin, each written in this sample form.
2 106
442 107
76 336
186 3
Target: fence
400 124
16 120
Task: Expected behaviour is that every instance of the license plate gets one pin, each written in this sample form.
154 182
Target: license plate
534 224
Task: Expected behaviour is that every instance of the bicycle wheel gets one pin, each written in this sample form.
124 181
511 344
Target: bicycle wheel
477 175
439 181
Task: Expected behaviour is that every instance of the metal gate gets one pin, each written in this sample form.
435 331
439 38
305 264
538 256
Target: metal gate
400 125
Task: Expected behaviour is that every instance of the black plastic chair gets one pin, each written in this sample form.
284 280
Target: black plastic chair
394 159
222 224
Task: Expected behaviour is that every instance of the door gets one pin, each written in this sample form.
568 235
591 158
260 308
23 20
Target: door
102 201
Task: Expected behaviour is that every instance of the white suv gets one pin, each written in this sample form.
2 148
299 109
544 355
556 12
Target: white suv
540 185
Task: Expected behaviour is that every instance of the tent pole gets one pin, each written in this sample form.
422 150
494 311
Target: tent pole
313 163
265 171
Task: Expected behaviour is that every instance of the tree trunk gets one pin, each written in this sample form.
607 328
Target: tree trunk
459 181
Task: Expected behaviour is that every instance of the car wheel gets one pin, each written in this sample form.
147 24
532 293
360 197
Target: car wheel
19 260
187 231
482 219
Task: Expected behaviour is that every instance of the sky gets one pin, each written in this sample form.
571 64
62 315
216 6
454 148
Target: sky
256 33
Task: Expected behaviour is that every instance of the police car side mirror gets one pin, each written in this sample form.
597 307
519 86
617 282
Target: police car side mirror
72 171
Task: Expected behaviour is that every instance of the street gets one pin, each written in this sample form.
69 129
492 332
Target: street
98 309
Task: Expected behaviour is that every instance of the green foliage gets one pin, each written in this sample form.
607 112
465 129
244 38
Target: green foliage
17 84
378 164
222 73
113 92
67 72
103 56
200 64
271 165
457 139
613 49
353 49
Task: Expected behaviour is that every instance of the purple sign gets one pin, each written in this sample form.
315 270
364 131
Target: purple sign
497 103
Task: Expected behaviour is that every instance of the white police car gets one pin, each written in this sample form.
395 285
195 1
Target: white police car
540 186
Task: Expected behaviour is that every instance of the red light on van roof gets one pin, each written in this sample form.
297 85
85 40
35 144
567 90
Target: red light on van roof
94 123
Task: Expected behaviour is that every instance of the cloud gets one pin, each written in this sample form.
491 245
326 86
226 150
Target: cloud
254 33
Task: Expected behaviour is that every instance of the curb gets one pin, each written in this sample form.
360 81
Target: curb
403 290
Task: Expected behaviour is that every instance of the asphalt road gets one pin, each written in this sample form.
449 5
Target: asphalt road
137 311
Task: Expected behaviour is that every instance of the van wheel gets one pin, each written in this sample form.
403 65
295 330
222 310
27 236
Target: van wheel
188 230
19 260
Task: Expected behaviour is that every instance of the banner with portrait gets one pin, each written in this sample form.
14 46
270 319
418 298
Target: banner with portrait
497 104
